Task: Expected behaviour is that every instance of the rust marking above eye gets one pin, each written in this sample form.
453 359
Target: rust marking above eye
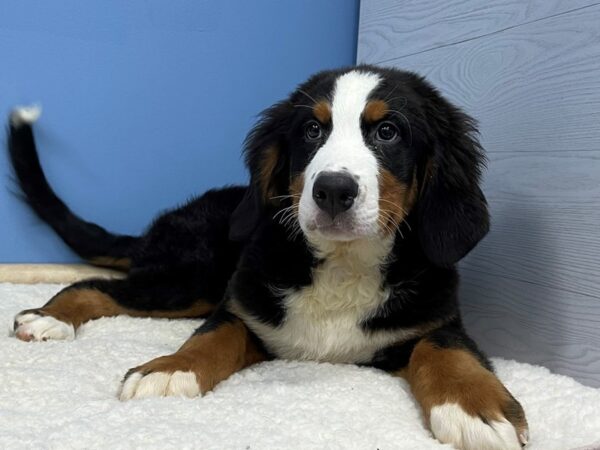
375 110
322 111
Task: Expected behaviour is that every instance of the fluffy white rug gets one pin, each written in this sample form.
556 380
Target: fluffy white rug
63 395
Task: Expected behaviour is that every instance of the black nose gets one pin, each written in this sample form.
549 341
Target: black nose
334 192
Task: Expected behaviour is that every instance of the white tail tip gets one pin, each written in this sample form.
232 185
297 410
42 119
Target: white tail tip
25 115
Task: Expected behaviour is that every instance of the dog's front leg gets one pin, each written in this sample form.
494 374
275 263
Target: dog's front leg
220 347
463 402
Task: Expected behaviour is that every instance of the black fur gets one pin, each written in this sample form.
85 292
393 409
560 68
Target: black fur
269 133
270 260
453 335
453 214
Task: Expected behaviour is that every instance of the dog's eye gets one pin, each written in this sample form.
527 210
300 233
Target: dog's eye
313 131
387 132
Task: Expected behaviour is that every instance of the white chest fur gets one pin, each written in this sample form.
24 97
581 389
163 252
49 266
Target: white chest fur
322 320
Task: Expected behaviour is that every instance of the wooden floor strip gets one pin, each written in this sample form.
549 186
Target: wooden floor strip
52 273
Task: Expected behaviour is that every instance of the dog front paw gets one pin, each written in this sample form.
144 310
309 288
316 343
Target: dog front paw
161 377
451 424
34 325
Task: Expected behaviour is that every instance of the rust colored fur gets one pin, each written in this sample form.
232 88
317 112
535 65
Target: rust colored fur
395 200
77 306
375 111
213 356
322 111
448 375
267 167
113 263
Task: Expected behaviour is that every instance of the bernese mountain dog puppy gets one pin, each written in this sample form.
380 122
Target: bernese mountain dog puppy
364 194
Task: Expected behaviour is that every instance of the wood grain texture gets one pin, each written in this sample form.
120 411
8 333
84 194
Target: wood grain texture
391 29
545 220
519 320
531 289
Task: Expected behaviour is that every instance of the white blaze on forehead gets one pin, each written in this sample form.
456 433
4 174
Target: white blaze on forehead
345 150
349 100
345 147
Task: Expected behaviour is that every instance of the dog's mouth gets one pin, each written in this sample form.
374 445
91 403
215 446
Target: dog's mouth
343 227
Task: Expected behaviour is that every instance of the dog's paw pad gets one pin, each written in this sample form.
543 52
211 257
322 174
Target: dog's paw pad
159 384
450 424
33 326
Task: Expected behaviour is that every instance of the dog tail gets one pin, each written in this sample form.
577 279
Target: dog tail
90 241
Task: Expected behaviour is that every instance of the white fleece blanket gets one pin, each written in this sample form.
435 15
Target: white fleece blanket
63 395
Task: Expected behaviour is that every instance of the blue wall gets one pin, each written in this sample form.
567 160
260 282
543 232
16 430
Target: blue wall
147 102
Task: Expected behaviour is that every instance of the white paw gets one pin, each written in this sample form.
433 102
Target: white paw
31 326
159 384
450 424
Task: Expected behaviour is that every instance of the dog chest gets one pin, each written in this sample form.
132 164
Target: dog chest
323 320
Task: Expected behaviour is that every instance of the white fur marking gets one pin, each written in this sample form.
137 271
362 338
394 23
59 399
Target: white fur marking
152 385
23 115
183 384
36 327
159 384
128 386
345 150
450 424
323 320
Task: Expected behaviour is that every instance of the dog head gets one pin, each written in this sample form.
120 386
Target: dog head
354 154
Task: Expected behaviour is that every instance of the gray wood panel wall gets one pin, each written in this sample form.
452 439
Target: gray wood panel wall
529 71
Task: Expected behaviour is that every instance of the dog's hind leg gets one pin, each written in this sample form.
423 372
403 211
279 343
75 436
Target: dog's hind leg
180 268
169 294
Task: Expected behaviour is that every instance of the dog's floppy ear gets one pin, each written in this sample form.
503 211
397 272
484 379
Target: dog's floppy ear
266 159
453 214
